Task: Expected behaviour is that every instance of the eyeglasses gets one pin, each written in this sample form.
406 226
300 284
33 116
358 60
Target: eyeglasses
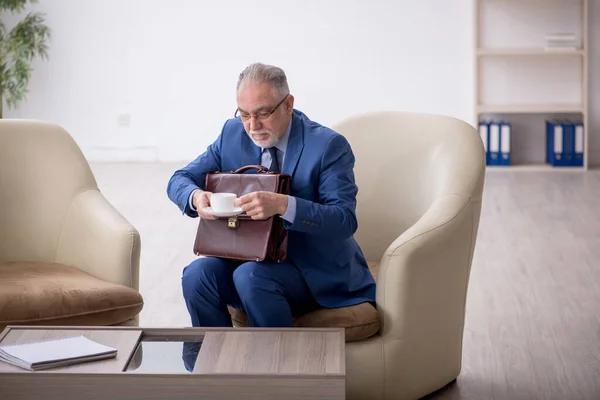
261 115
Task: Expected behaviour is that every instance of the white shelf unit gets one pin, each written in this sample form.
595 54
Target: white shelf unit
518 80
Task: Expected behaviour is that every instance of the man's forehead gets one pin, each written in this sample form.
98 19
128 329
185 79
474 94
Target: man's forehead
254 99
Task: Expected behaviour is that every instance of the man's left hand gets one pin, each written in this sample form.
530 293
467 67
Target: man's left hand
260 205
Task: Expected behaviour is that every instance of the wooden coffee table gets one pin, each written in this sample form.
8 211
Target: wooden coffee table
187 363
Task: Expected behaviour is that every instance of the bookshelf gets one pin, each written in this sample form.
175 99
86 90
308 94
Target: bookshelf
524 79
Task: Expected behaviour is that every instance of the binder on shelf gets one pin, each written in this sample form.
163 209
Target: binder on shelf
505 143
569 143
579 143
484 134
554 143
494 143
564 143
549 127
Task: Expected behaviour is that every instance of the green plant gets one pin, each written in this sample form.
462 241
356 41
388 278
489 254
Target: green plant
27 40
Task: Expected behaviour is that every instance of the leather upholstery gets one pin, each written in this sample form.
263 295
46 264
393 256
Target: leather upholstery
56 294
51 211
359 321
420 180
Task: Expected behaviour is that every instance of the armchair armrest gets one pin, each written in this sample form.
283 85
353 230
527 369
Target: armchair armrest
98 240
423 274
421 293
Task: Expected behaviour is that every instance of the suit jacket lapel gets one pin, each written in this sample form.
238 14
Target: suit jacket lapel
294 146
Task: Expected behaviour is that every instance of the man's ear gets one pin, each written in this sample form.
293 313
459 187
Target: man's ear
289 104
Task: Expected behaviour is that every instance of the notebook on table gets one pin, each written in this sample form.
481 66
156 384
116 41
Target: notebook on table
41 355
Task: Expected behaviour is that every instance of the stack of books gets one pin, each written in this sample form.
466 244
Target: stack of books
561 41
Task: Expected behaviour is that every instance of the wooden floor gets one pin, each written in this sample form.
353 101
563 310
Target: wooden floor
533 311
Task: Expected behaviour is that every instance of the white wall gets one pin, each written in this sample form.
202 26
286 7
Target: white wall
172 66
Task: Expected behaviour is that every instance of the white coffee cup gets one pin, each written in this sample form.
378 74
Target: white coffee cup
222 202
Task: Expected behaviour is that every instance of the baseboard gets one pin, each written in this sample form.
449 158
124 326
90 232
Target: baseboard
121 154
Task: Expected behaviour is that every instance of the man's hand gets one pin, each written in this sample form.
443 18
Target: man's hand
200 200
260 205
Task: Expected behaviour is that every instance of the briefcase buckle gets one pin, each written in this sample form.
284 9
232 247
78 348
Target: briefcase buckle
233 222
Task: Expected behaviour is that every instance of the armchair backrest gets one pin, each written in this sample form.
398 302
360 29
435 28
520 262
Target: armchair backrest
404 161
41 171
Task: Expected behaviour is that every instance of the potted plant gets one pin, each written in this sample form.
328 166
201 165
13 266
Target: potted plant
27 40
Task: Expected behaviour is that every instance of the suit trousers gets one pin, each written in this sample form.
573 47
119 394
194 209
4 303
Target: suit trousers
271 294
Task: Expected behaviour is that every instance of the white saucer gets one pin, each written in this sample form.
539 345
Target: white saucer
235 211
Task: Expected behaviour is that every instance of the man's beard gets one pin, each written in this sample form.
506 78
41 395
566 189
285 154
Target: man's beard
268 139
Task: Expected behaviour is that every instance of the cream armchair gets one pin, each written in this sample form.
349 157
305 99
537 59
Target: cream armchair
420 181
67 256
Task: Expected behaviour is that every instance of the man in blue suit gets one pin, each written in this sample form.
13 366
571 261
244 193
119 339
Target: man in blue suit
325 266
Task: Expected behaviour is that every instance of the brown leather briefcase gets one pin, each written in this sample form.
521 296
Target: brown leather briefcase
240 237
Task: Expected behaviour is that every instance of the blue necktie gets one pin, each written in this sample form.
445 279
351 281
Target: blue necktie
274 160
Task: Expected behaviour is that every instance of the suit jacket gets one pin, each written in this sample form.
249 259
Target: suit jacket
320 239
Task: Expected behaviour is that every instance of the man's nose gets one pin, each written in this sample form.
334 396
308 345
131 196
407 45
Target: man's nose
254 123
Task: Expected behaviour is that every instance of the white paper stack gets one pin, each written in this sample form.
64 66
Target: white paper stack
41 355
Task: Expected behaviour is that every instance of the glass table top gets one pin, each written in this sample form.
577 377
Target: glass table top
165 356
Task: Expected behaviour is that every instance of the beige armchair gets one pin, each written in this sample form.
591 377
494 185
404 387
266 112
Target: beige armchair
420 180
67 256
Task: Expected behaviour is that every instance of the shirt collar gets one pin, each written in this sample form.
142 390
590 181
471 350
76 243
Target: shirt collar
282 144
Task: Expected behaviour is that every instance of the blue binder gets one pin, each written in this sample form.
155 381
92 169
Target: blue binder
555 143
579 144
560 143
494 143
505 143
484 132
569 143
549 141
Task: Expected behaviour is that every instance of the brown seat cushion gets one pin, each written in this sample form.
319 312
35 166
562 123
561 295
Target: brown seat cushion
55 294
359 321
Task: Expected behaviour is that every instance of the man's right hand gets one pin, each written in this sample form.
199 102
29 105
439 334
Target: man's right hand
201 200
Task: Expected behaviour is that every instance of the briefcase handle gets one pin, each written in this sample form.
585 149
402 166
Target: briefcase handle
260 169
